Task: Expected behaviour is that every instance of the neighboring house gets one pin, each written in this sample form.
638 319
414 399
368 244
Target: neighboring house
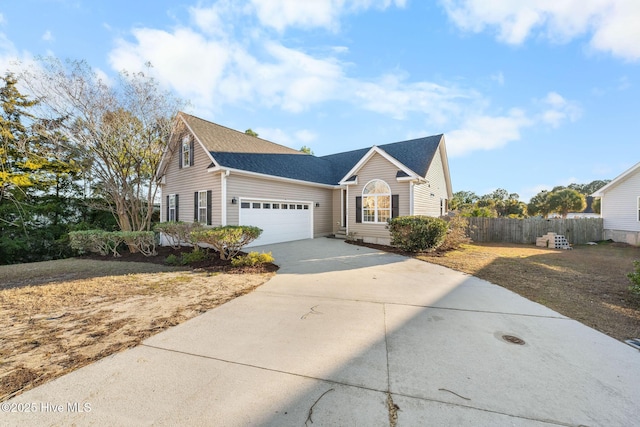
620 207
219 176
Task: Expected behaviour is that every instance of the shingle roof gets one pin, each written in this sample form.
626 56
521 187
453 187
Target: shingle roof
222 139
305 168
236 150
416 154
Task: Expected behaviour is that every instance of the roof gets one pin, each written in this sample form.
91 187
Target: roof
617 180
235 150
222 139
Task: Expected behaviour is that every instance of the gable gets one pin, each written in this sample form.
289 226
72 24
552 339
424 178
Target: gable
631 173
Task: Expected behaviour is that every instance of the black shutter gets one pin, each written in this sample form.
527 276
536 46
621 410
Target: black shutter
191 150
209 207
395 206
177 208
167 217
195 206
180 156
358 209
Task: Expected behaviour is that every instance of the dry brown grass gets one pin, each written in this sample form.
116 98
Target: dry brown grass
57 316
588 283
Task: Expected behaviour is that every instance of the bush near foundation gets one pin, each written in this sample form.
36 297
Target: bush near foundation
177 233
107 242
227 240
456 234
417 233
252 259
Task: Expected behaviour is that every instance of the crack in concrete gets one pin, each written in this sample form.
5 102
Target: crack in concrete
309 419
312 311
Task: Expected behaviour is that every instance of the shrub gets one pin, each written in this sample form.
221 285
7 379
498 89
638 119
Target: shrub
634 276
140 241
177 233
252 259
193 256
227 240
456 234
96 241
417 233
173 260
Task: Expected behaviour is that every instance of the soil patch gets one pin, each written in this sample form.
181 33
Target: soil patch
57 316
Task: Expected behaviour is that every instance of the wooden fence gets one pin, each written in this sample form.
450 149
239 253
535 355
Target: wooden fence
510 230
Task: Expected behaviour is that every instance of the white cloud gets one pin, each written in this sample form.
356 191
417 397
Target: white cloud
47 36
611 24
558 110
295 140
485 132
280 14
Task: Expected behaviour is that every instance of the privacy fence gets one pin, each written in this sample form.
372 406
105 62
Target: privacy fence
511 230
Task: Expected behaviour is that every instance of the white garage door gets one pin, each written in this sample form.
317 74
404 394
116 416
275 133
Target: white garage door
281 221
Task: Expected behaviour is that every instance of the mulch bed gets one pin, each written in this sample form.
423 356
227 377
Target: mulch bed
211 263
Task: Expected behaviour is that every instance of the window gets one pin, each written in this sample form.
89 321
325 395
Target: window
276 206
285 206
266 206
245 205
256 205
376 202
171 209
186 152
202 207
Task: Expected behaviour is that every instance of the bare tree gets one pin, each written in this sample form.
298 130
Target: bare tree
120 130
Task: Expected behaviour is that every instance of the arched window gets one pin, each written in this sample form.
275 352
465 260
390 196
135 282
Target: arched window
376 201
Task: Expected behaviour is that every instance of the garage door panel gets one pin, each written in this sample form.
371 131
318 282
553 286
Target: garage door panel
278 225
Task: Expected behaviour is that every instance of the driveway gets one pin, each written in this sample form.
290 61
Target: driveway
350 336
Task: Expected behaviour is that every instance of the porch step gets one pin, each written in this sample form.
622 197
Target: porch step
341 233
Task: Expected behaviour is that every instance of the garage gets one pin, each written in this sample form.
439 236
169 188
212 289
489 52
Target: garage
280 221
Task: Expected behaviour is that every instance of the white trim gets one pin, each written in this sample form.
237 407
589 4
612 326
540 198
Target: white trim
175 211
223 197
373 150
411 195
376 195
186 160
616 180
638 213
272 177
347 213
206 207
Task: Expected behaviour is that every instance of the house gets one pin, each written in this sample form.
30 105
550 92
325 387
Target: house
219 176
620 207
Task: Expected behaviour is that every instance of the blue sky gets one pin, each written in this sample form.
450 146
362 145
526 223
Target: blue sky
529 94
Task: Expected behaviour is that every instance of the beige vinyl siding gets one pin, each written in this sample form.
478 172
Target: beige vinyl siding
377 167
427 196
620 205
337 202
248 187
185 181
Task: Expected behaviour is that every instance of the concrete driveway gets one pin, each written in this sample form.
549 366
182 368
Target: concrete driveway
350 336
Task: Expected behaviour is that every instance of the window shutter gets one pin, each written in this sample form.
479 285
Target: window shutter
209 207
177 208
180 155
166 218
195 206
359 209
191 150
395 205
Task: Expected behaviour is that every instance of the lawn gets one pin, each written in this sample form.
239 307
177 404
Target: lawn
57 316
588 283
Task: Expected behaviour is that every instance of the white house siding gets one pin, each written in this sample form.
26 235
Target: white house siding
376 168
250 187
185 181
619 210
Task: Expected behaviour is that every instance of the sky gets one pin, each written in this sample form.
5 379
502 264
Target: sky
530 94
